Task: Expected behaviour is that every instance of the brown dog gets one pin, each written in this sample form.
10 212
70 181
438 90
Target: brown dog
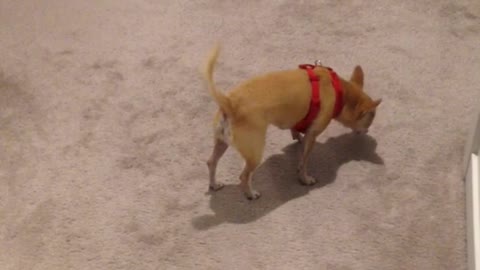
282 99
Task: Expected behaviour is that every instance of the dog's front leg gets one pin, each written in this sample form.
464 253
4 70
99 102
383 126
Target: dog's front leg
296 135
308 143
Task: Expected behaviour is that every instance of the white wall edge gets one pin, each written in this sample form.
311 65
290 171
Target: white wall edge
473 141
472 189
473 213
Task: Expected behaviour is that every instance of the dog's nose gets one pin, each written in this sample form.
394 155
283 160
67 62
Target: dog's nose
361 131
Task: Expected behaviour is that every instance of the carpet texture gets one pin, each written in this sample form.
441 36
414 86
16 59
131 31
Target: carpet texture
105 130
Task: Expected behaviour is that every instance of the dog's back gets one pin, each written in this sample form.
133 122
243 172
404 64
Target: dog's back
280 98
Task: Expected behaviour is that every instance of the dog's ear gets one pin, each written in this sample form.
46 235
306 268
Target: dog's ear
364 108
374 104
357 76
377 102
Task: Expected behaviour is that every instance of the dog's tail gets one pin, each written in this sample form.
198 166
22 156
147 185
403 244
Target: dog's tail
220 98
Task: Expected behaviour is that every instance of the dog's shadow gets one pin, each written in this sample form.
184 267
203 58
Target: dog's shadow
278 182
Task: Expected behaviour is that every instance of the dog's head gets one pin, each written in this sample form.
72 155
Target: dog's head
359 109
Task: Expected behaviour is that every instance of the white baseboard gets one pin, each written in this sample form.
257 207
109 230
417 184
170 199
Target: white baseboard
473 141
472 189
473 212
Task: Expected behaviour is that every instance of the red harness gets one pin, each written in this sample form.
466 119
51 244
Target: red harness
305 123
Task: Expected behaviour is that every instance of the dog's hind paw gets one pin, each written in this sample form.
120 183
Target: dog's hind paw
216 186
308 180
253 195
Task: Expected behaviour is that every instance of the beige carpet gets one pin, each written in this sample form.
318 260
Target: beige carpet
105 130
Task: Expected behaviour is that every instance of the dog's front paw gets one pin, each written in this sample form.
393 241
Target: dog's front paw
308 180
216 186
252 195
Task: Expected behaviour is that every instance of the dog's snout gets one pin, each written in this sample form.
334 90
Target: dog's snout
361 131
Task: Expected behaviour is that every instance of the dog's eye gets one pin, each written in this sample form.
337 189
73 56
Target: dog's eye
361 116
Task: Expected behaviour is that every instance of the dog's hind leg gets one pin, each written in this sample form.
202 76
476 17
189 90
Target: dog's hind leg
218 150
250 143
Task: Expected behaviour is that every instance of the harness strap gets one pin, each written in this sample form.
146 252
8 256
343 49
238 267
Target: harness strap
314 102
338 93
303 125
